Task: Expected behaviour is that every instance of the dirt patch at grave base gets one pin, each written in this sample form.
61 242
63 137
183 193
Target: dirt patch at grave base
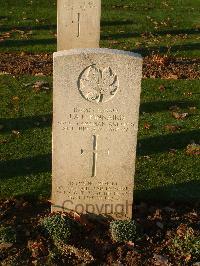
158 226
155 66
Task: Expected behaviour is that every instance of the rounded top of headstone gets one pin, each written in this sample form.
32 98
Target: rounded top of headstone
96 50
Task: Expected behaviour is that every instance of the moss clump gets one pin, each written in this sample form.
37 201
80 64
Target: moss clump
123 230
7 235
60 227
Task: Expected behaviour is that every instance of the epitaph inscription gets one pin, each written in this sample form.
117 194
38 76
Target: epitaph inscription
95 122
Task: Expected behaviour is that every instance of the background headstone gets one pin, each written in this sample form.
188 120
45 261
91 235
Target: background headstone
96 109
78 24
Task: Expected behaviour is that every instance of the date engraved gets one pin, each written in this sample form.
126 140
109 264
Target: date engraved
89 120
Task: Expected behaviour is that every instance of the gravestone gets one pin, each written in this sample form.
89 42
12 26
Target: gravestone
78 24
95 122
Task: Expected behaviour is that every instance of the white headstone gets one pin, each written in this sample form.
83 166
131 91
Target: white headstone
78 24
95 122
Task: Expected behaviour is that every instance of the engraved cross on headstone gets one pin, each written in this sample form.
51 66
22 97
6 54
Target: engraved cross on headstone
95 152
78 24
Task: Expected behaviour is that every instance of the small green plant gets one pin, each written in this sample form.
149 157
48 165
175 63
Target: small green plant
7 235
185 244
60 227
123 230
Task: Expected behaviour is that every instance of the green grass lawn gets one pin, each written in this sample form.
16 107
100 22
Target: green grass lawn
164 171
144 26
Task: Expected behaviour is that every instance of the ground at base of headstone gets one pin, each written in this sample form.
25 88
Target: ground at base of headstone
155 66
167 234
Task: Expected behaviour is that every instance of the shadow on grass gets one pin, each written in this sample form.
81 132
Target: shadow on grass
188 192
117 22
28 28
7 28
42 163
164 49
143 50
22 123
124 35
25 166
164 143
3 17
42 192
120 35
177 31
19 43
159 106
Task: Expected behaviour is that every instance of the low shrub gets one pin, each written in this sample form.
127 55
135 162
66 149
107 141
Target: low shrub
59 227
7 235
123 230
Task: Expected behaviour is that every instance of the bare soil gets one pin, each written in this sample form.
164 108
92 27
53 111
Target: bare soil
155 66
157 223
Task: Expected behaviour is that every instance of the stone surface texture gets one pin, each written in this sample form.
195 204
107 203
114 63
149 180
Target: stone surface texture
95 122
78 24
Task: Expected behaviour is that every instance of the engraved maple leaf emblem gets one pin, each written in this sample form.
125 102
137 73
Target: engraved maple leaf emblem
98 85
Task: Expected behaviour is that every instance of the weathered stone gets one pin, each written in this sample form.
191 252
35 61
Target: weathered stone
96 109
78 24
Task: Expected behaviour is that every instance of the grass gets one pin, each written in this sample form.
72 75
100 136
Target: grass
144 26
161 173
26 139
164 171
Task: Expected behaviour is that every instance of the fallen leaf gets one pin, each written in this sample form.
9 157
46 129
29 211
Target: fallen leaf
37 248
160 260
188 257
27 84
15 98
172 128
157 214
40 84
187 93
174 108
179 116
130 244
182 230
193 149
147 157
173 151
147 126
172 76
160 60
162 88
3 72
16 133
5 245
39 74
192 108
